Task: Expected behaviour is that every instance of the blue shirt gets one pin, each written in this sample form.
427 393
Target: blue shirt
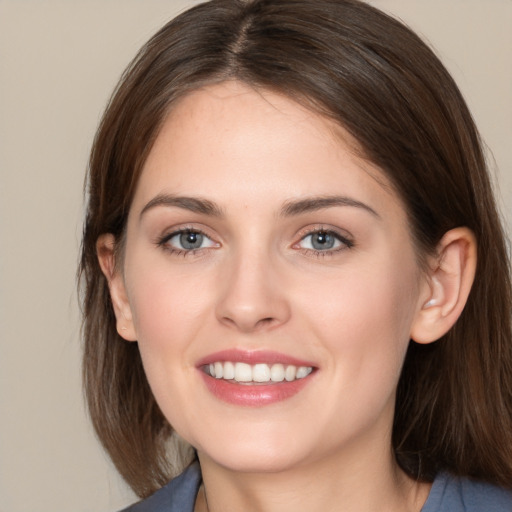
448 494
457 494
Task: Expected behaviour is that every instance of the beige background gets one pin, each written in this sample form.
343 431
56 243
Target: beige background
59 60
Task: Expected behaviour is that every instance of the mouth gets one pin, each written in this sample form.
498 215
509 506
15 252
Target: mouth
261 373
254 379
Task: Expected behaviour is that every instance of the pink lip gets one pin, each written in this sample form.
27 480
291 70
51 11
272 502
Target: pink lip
252 357
252 395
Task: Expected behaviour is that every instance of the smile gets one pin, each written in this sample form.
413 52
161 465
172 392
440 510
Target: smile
255 378
257 373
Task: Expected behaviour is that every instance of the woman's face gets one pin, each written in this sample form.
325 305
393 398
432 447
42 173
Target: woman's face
260 246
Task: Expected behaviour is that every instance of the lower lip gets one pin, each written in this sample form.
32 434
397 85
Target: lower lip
253 395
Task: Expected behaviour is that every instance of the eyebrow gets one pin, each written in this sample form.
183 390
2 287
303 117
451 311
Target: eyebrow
289 209
193 204
311 204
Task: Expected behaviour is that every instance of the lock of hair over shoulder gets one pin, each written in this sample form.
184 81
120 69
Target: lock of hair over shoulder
366 71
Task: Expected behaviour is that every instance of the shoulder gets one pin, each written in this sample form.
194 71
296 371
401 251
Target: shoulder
451 493
179 495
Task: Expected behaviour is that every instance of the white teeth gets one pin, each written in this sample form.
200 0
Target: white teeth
219 367
290 373
229 371
243 372
261 372
277 373
303 371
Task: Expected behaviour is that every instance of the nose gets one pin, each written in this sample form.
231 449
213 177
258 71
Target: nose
253 294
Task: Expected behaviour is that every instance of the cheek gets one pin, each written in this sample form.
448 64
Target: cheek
364 320
165 300
168 314
371 298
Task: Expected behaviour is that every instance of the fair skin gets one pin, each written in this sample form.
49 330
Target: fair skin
255 229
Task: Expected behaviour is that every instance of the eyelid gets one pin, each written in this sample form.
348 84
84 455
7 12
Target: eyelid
346 240
343 238
163 240
189 231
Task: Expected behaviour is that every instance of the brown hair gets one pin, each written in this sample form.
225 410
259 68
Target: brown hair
376 78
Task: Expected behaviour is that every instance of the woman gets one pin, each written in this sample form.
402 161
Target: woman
292 260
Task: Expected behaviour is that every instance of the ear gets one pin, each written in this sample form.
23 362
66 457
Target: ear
447 286
105 249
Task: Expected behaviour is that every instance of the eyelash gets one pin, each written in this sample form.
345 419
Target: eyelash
163 242
345 243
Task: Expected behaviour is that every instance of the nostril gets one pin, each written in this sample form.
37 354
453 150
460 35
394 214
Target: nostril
248 305
267 322
248 324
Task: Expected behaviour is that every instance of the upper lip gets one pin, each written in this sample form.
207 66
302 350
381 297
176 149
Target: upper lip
252 357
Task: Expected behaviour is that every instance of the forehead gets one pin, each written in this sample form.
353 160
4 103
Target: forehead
230 140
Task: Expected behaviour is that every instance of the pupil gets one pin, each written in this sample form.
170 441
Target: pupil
191 240
322 240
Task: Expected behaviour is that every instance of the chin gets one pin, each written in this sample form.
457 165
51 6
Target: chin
253 453
242 462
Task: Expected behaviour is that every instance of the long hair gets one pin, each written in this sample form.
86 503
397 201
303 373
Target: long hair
358 66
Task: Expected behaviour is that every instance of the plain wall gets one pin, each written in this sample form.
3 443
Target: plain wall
59 61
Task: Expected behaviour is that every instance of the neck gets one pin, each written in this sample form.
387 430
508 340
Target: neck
330 485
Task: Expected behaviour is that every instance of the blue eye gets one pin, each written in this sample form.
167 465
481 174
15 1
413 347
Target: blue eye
187 240
324 241
191 240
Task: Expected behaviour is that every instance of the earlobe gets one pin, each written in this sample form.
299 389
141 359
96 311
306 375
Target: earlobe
447 286
105 249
